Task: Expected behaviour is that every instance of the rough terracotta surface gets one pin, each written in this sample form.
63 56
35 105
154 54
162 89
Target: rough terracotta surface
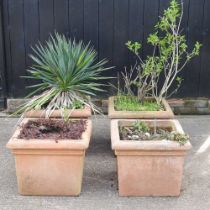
44 167
149 168
76 113
113 114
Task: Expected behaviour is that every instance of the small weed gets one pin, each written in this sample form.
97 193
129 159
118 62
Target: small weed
141 126
77 105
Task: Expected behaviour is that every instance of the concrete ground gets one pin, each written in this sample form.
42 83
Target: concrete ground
100 181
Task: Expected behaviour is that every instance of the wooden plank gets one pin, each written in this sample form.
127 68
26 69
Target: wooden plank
120 52
106 31
136 27
76 19
31 30
8 60
192 74
151 12
61 16
91 22
204 89
185 31
16 16
3 90
106 23
185 19
46 18
163 4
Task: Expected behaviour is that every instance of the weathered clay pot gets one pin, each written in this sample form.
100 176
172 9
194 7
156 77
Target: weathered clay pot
76 113
114 114
149 168
44 167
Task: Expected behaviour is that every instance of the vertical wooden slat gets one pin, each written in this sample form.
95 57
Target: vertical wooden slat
120 52
16 16
8 62
91 22
163 4
185 31
106 32
185 19
3 90
61 22
192 70
151 10
204 89
76 19
31 30
106 23
46 18
136 27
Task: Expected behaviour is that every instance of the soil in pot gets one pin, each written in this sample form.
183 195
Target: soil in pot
130 103
141 131
53 129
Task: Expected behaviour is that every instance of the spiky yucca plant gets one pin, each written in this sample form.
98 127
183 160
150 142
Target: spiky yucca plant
68 73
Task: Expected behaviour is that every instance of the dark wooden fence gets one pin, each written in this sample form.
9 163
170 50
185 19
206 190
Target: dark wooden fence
108 24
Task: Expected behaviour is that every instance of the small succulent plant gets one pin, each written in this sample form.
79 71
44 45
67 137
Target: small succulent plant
140 131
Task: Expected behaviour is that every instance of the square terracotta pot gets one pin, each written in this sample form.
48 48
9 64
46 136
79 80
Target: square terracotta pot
149 168
76 113
114 114
44 167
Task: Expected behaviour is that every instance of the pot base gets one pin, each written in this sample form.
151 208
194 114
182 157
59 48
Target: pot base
150 175
49 174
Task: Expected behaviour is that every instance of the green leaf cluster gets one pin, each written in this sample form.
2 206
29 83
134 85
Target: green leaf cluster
134 47
141 126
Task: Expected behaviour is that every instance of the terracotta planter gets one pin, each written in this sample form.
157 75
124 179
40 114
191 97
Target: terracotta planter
44 167
114 114
76 113
149 168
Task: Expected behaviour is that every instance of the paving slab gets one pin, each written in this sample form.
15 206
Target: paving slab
99 190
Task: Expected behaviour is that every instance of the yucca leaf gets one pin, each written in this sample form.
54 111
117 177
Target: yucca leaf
68 72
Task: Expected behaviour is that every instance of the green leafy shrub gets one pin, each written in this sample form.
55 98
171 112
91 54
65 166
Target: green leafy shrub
170 56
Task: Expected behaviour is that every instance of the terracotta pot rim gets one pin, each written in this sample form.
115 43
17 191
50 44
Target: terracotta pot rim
167 113
158 145
40 113
83 143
